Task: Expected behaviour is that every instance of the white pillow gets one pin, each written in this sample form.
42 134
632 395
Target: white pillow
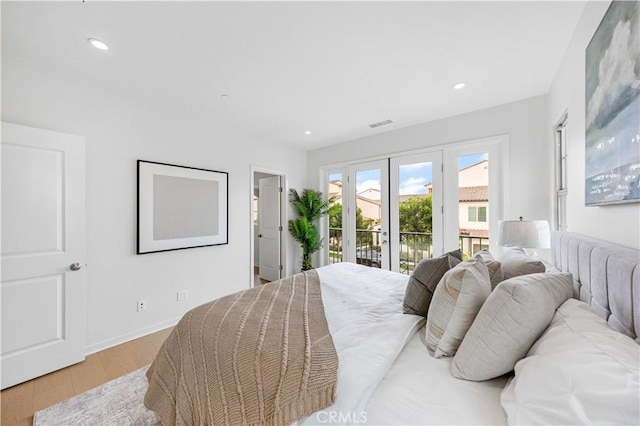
580 371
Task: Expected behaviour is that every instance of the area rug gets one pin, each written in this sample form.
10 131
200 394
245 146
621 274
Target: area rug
118 402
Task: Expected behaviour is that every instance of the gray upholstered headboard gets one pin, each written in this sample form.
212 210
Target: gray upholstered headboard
606 276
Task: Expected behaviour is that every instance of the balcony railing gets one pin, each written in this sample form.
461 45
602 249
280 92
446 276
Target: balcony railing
414 246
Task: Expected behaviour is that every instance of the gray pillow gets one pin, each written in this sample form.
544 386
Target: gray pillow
514 316
454 253
516 262
496 275
423 282
456 301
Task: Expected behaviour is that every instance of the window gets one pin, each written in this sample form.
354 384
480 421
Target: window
477 214
561 173
482 214
473 214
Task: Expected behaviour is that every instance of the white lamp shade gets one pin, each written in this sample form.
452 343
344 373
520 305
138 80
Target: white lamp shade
524 233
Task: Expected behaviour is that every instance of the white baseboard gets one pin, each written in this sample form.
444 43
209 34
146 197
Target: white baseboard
109 343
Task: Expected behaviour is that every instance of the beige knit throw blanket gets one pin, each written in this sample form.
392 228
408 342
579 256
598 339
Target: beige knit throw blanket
262 356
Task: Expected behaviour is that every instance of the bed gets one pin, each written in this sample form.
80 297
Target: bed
577 369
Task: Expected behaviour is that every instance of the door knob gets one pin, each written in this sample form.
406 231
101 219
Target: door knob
384 242
75 266
259 235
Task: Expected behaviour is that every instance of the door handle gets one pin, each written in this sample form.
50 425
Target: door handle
75 266
259 235
384 242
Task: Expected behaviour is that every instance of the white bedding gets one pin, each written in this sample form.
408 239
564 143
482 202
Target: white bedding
419 389
363 307
379 382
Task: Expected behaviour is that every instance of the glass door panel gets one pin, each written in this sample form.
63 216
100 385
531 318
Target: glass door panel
335 194
473 202
367 214
416 210
473 176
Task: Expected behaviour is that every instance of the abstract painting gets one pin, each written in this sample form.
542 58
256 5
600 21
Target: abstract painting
612 121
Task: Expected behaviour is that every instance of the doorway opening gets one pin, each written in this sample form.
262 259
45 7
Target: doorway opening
268 216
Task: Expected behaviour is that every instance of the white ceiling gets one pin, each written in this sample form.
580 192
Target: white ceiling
329 67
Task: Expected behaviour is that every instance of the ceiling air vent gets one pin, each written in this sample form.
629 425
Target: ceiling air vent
380 123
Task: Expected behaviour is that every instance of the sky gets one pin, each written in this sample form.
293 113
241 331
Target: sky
413 177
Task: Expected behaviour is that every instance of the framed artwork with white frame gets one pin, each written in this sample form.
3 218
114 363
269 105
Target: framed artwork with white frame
181 207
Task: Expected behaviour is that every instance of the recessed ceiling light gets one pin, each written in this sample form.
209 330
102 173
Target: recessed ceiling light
308 132
459 85
224 96
98 44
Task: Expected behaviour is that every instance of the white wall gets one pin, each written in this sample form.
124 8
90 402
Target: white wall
530 168
616 223
119 131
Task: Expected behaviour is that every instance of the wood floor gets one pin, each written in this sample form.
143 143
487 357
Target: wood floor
21 401
256 277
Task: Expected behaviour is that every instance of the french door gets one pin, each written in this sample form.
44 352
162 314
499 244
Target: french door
392 209
415 187
400 210
367 214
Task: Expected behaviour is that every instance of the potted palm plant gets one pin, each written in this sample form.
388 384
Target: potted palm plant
310 207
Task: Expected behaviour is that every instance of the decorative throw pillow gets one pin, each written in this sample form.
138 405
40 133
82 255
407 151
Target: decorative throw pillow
496 275
423 282
456 301
457 253
580 371
516 262
516 313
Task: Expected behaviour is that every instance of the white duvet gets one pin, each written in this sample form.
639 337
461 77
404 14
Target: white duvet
363 307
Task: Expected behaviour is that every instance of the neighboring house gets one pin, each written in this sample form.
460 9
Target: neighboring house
335 191
473 195
371 209
371 194
473 216
474 175
368 201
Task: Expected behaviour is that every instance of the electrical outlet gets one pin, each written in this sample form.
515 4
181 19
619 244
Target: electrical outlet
142 305
182 295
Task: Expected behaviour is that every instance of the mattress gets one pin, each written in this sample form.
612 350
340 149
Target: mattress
419 389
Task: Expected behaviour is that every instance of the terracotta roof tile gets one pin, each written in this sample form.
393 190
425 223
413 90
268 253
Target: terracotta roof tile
473 193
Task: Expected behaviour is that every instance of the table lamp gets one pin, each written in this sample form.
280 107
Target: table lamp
524 233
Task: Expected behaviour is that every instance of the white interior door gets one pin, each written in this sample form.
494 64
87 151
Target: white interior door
43 252
269 228
368 214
